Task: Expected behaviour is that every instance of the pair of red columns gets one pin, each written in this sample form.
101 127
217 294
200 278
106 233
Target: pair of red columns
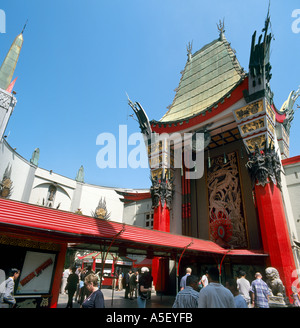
274 232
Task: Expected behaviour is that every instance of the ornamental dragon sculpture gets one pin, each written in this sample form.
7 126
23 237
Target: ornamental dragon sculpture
263 166
161 189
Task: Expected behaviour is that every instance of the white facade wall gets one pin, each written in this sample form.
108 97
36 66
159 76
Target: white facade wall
292 175
41 184
31 184
91 195
135 212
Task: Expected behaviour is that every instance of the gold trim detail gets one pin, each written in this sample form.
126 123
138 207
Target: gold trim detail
6 240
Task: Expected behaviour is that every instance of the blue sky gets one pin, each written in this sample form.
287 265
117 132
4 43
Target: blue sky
80 57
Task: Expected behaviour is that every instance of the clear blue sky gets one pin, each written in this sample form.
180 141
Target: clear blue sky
80 57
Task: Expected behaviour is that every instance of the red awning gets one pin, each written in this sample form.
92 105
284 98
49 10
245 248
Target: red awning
18 217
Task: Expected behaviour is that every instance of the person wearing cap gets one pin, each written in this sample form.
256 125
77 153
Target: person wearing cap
145 286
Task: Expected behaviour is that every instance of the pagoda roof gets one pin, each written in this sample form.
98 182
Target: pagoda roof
209 75
130 197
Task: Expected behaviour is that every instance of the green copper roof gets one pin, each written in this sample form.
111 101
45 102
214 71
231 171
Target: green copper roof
208 75
9 64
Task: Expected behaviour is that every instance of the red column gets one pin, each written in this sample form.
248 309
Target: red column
274 231
161 218
161 222
58 275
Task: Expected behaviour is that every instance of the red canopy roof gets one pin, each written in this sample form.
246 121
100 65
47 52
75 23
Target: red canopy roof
23 218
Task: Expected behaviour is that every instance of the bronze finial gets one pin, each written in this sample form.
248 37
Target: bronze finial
189 48
221 27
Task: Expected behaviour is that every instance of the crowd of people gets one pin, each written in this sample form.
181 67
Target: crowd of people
84 285
210 293
207 292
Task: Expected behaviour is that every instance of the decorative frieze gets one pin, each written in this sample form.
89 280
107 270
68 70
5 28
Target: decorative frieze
256 123
249 111
28 243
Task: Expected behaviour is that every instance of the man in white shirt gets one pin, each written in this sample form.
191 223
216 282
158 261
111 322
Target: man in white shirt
65 276
243 286
215 295
204 280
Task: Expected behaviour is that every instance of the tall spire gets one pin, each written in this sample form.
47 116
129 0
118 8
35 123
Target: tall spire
10 62
259 63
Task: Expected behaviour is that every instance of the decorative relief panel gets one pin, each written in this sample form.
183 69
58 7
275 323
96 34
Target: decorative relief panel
270 112
259 140
252 127
256 123
249 111
271 128
226 212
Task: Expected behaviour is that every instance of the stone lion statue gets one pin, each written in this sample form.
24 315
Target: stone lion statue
274 282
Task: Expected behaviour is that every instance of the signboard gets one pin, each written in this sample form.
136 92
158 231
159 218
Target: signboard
36 274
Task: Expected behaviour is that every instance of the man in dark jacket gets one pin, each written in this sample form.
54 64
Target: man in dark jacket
127 280
71 287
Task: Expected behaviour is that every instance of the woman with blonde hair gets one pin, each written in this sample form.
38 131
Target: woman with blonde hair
95 299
